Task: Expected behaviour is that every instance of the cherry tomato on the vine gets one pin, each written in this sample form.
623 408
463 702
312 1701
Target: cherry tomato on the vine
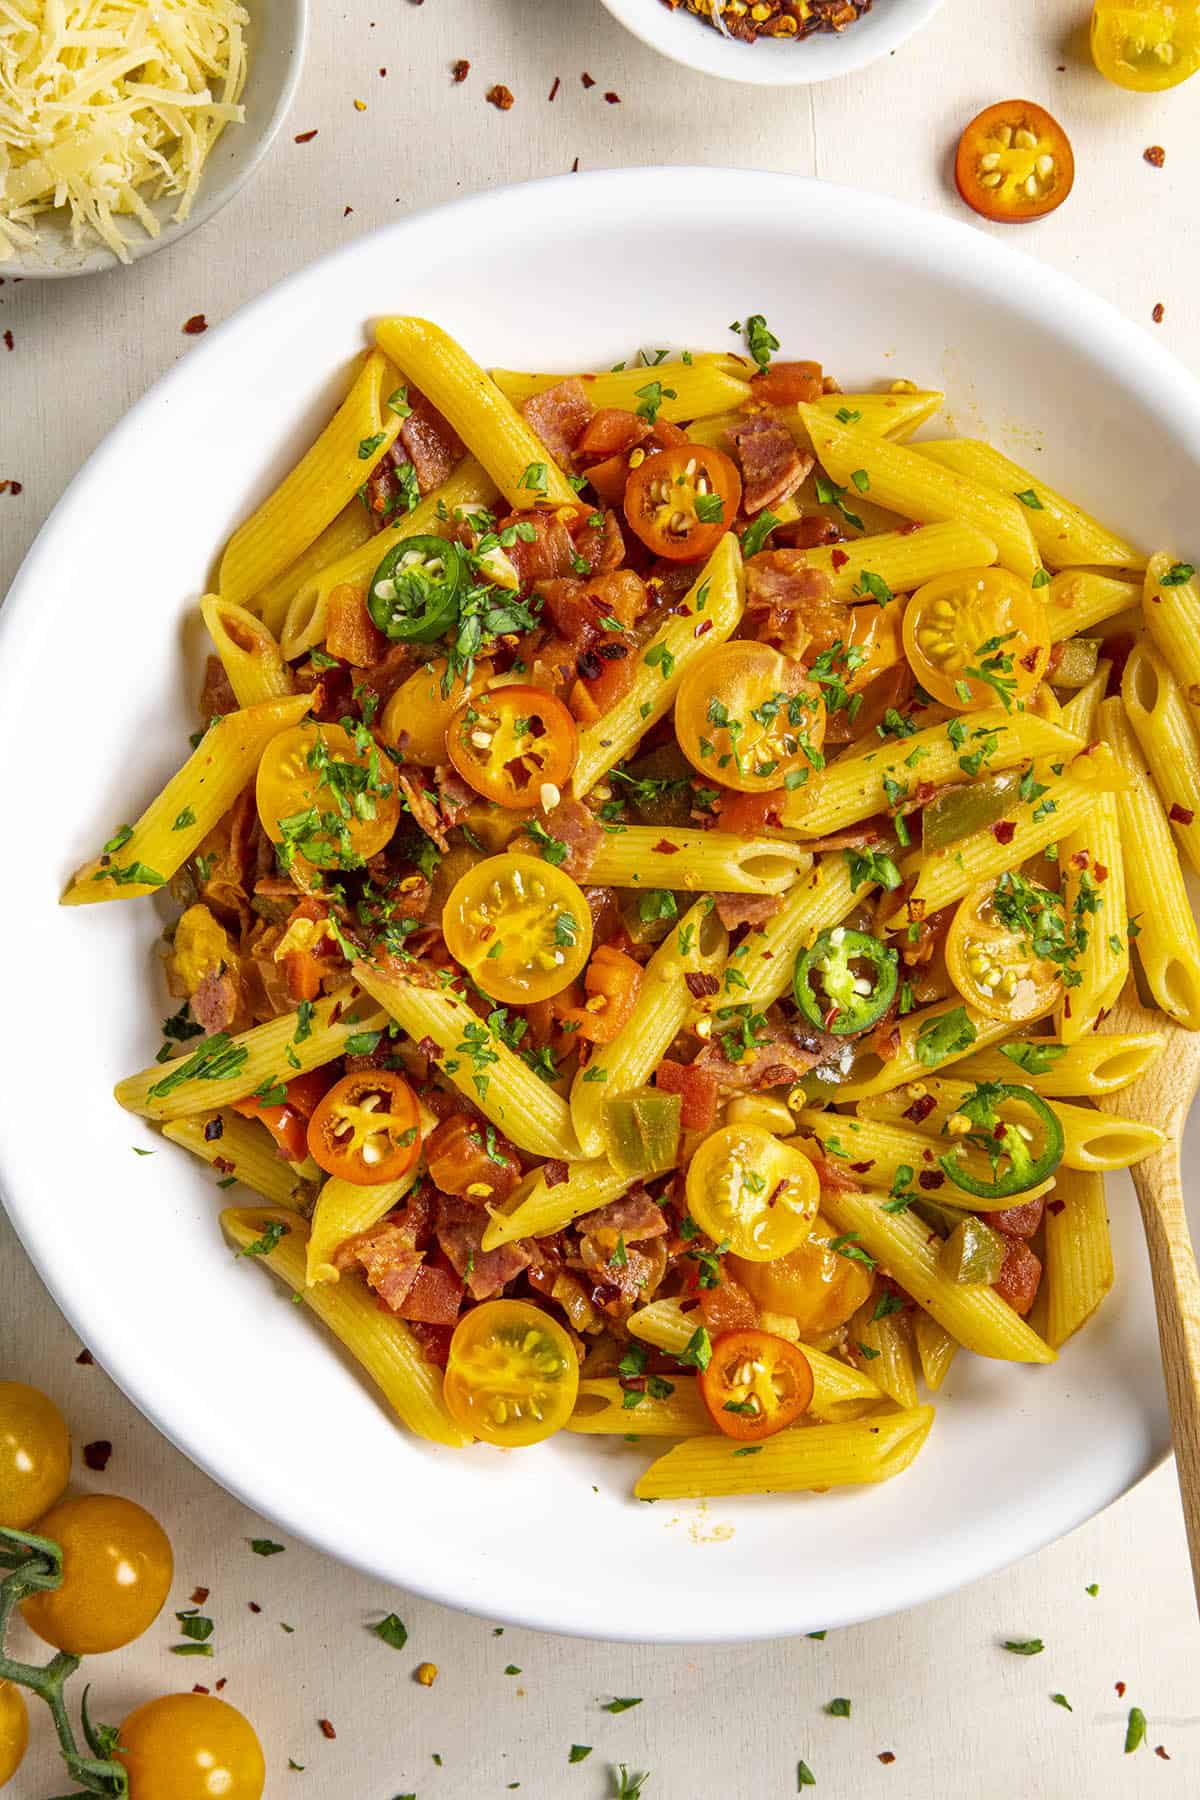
14 1730
519 926
513 1373
117 1568
979 637
755 1384
191 1747
367 1128
681 502
1014 162
35 1453
513 742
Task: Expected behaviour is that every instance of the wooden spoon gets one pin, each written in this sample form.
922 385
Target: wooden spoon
1163 1097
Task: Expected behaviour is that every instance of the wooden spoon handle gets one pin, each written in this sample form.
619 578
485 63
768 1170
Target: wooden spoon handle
1177 1302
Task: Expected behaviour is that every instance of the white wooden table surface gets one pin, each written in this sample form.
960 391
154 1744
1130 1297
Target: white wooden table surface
933 1687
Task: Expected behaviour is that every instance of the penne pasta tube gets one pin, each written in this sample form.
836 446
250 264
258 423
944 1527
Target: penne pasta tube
856 786
720 862
905 482
485 418
1098 1064
479 1063
902 560
717 597
352 528
605 1407
930 1038
381 1343
541 1205
1163 725
973 1313
679 390
887 1345
1062 531
142 857
1092 864
326 479
1171 608
696 946
665 1324
249 654
1168 943
818 899
304 622
840 1391
1079 1258
935 1348
894 416
243 1151
880 1144
1079 598
344 1208
222 1069
807 1456
1091 1140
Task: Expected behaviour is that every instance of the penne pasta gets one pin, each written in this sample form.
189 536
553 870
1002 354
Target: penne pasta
901 560
1079 598
344 1208
142 857
1062 531
905 482
1171 609
716 598
895 416
1094 1065
887 1346
352 528
242 1151
249 654
1092 863
677 390
1079 1259
1163 725
879 1145
381 1343
807 1456
936 1349
665 1324
721 862
818 899
485 419
930 1038
326 479
542 1205
604 1407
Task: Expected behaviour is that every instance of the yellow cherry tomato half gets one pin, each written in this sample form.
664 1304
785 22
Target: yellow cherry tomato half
330 799
1146 45
753 1193
748 716
979 637
414 720
512 1374
35 1454
14 1730
117 1568
990 949
519 926
813 1284
191 1747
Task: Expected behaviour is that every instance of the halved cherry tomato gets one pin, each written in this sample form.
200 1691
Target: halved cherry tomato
753 1193
367 1128
324 797
979 637
747 716
520 927
755 1384
1014 162
990 949
513 1373
416 716
287 1122
683 501
813 1284
35 1453
117 1568
1146 45
513 742
191 1747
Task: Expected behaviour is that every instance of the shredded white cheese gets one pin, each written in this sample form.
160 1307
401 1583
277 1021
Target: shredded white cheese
106 105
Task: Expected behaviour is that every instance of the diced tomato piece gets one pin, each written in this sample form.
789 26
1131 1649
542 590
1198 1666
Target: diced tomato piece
614 978
784 383
1020 1277
592 696
466 1157
749 814
727 1308
1017 1221
610 432
350 632
435 1298
697 1089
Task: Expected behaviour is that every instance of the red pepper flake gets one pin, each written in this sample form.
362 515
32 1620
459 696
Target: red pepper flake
500 97
887 1756
11 487
199 1688
304 137
1003 830
1159 1750
920 1109
1159 313
575 167
665 847
195 325
8 340
701 986
1155 155
863 1168
96 1455
1120 1687
326 1728
931 1179
221 1683
555 88
613 99
703 628
1056 1206
85 1359
587 80
383 71
1182 815
254 1606
461 69
912 525
200 1595
429 1047
1100 870
839 558
346 211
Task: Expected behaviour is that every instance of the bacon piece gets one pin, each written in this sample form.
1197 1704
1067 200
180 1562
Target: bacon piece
697 1088
780 1055
459 1230
385 674
809 533
573 825
550 552
350 632
468 1158
727 1308
423 809
1017 1221
746 909
634 1217
611 431
560 415
215 1002
386 1258
435 1297
792 605
785 383
216 695
634 1280
603 545
434 447
772 467
1020 1277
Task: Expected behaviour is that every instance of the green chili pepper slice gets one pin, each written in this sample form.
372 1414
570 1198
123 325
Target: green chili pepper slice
955 812
845 982
414 591
1005 1142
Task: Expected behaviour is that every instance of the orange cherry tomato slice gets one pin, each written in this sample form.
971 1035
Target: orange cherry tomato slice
512 743
755 1384
681 502
367 1128
747 716
990 953
1014 161
977 638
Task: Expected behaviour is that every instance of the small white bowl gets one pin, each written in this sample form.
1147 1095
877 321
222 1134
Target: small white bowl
773 62
276 38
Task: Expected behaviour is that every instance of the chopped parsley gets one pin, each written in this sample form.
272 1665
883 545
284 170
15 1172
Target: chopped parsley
947 1035
263 1246
392 1630
1176 576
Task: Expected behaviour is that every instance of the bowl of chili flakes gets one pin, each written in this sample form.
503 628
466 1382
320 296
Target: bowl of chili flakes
774 43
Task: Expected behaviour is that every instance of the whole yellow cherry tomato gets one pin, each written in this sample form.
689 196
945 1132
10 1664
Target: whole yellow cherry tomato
1146 45
520 927
191 1747
752 1193
813 1285
35 1454
117 1568
416 716
14 1730
512 1375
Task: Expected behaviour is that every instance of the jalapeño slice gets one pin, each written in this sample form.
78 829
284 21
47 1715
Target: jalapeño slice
1019 1161
845 982
414 591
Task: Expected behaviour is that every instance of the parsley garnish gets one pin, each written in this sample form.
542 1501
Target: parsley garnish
263 1246
944 1036
760 340
1176 576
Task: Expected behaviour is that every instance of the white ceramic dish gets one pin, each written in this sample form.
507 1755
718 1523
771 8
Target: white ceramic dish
769 62
98 668
276 37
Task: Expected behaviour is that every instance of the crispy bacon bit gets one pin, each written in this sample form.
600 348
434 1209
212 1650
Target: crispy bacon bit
551 552
326 1728
305 137
460 1228
700 986
193 326
772 467
634 1217
215 1002
573 825
1020 1277
555 1172
920 1109
1155 155
665 847
96 1455
697 1089
459 70
1182 815
387 1259
559 415
429 1047
435 1297
216 695
434 447
746 909
793 604
1003 830
1159 313
500 96
85 1359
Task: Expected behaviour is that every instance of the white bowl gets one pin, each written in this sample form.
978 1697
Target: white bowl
773 62
98 675
276 38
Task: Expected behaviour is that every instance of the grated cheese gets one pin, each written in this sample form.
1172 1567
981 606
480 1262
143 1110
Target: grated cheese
106 105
